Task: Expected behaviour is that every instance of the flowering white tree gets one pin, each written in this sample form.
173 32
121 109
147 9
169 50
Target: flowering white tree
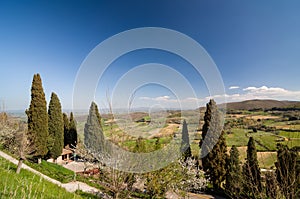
194 180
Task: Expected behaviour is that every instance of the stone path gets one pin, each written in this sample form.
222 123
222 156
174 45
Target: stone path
76 185
70 187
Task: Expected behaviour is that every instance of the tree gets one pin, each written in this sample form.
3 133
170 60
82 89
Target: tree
93 134
67 139
251 171
56 127
233 175
98 114
271 185
37 133
287 171
72 132
185 143
193 179
213 146
168 178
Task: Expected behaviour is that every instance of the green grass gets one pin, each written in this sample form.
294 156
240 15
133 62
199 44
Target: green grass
266 139
289 125
27 185
237 138
268 122
293 143
54 171
290 134
86 195
149 143
267 160
279 123
90 180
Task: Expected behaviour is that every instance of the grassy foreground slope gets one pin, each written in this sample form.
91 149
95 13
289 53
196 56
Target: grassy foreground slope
27 185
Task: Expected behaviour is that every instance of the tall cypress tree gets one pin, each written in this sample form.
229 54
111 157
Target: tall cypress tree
233 175
56 127
212 124
67 140
251 171
271 185
93 134
287 171
37 133
213 156
98 114
185 143
72 132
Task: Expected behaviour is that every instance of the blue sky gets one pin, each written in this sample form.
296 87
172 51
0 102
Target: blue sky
255 45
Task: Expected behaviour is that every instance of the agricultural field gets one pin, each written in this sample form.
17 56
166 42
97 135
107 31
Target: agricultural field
268 128
145 134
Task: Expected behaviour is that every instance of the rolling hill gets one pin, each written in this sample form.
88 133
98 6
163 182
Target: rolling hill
261 104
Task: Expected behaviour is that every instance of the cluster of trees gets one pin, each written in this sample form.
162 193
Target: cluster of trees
246 181
183 175
224 171
70 131
227 174
48 130
213 146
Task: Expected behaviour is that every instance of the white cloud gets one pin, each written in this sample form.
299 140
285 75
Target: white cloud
145 98
272 93
167 101
262 92
160 98
265 89
233 87
265 92
248 93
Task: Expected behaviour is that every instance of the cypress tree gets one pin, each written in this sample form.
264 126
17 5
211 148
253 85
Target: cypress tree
287 171
72 132
67 140
37 133
93 134
185 143
212 124
56 127
98 115
251 171
213 156
233 175
271 185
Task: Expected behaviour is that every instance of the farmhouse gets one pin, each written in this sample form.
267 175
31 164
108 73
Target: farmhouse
64 158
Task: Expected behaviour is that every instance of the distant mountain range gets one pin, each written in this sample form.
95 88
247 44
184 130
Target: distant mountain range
243 105
261 104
